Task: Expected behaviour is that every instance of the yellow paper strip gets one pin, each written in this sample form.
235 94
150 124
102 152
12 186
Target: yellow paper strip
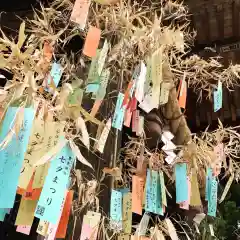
53 131
127 213
195 199
35 149
26 212
42 228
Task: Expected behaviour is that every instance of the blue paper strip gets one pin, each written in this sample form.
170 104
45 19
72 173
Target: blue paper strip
208 184
56 74
212 203
92 88
13 155
159 209
116 206
124 190
181 182
49 204
3 212
119 113
217 95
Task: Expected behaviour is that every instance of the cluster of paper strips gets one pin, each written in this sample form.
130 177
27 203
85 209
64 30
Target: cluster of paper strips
46 116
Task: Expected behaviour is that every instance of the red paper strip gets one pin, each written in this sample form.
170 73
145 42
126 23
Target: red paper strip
62 227
127 94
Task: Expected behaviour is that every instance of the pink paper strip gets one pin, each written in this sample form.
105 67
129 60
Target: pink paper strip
24 229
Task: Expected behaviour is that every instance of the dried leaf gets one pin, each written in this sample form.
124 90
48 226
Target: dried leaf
78 154
81 126
171 229
227 187
22 36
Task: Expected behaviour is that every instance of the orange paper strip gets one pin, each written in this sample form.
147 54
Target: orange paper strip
182 94
62 227
96 107
137 194
30 193
91 42
47 51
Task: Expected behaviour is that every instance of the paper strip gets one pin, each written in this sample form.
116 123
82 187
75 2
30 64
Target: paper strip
183 94
52 133
26 212
52 228
217 95
208 184
80 12
56 182
119 113
181 182
212 203
150 200
163 191
63 224
92 41
104 135
34 151
195 199
3 212
42 228
13 155
24 229
185 204
55 76
137 194
90 226
127 212
128 118
116 206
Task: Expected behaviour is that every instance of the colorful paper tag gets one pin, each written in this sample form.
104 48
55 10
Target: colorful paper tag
116 208
26 212
208 183
42 228
119 113
185 204
52 228
80 12
127 212
12 155
24 229
195 199
92 41
217 95
63 224
54 76
137 194
163 191
183 94
34 150
104 135
56 182
181 182
212 203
